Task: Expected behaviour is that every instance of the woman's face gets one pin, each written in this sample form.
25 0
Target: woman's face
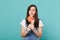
32 11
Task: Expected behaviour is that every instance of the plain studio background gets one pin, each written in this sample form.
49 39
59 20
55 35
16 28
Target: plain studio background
13 11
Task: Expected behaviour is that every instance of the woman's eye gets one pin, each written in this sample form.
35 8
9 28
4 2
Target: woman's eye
33 10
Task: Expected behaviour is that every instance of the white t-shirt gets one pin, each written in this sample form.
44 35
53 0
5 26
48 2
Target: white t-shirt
23 23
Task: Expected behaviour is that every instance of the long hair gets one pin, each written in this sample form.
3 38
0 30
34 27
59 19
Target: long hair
36 23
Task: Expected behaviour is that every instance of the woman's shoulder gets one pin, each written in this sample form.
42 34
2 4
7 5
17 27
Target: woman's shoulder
40 20
23 22
23 19
40 23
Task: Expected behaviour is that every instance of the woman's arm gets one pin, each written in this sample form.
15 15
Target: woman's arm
24 31
38 32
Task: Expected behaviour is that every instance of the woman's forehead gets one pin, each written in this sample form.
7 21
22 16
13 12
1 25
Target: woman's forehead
32 8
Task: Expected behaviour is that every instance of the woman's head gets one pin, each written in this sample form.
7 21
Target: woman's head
32 11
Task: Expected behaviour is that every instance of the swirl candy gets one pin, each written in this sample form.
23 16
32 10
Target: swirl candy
30 19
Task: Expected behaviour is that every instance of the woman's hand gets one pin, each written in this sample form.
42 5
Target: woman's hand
31 26
31 19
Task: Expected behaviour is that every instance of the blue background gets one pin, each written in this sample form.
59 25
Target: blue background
12 12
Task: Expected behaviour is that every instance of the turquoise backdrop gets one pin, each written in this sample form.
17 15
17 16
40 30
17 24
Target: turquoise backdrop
12 12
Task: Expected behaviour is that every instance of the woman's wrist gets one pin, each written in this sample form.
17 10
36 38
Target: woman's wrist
28 29
34 29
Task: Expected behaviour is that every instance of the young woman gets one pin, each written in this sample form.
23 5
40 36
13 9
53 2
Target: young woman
31 26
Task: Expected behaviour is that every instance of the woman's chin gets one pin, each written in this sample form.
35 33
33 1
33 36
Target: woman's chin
31 15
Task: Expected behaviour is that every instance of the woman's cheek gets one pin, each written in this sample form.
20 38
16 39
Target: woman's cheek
29 13
33 13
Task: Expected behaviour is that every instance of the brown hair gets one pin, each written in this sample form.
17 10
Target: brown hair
36 23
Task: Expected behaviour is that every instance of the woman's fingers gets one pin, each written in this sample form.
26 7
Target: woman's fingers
31 26
32 21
